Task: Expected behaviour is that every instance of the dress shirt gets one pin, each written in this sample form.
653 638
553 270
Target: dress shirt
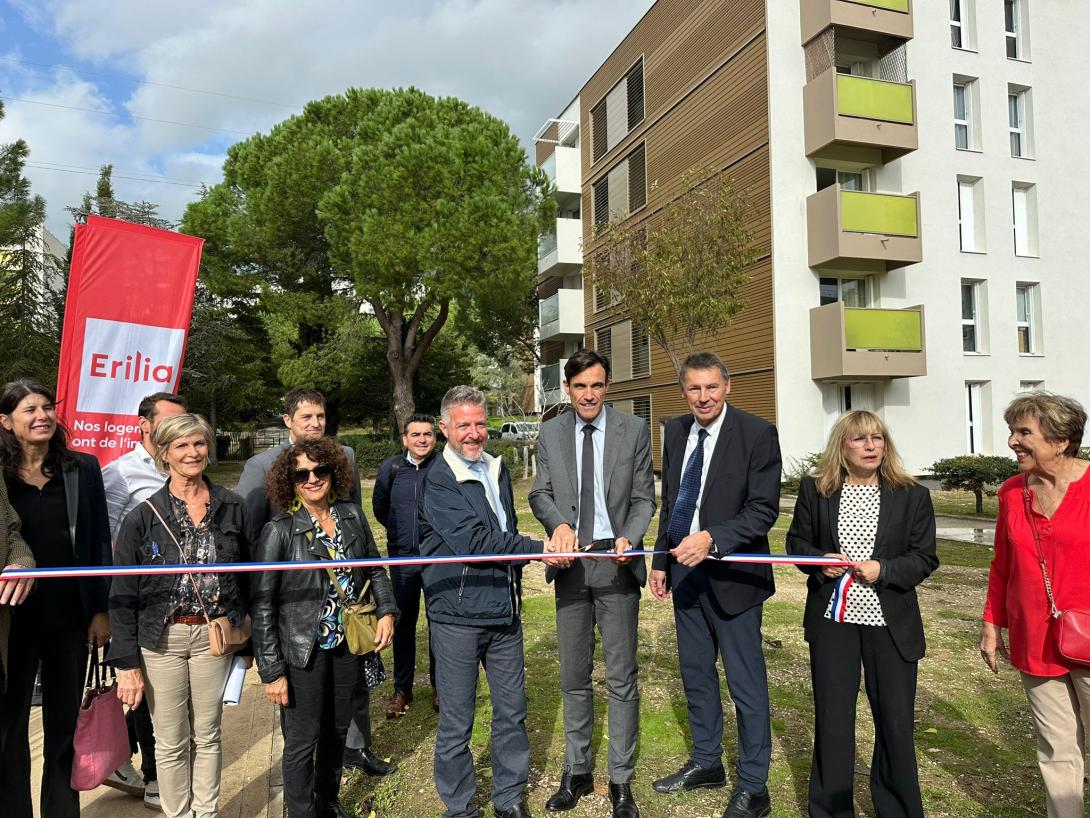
129 481
603 529
485 471
709 447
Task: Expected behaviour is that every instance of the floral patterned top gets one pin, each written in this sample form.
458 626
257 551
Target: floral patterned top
330 624
199 547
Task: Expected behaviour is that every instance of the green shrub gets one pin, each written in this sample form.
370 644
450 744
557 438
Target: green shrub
978 473
798 468
370 451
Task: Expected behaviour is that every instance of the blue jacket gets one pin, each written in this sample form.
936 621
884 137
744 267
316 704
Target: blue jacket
395 505
455 518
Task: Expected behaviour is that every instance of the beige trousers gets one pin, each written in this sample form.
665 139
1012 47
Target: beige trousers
1061 717
184 687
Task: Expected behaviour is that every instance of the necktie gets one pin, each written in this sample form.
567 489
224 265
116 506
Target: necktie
586 489
493 493
681 515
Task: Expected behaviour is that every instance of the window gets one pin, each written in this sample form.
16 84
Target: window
975 417
961 35
641 353
618 112
963 113
641 408
1024 207
1026 305
852 291
971 214
622 190
603 298
970 312
847 179
1030 386
1013 24
1018 121
603 341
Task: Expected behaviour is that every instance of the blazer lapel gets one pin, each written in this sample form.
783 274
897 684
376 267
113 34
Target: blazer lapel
71 498
675 465
884 512
567 448
832 519
611 450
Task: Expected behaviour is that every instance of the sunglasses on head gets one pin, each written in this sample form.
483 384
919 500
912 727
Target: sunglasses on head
319 472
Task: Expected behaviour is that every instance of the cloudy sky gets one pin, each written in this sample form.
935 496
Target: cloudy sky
161 90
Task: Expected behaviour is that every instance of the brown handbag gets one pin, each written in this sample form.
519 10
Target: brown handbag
224 638
359 618
1072 632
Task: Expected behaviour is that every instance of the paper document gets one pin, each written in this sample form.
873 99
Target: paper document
232 691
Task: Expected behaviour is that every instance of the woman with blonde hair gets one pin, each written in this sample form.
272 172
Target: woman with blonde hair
861 506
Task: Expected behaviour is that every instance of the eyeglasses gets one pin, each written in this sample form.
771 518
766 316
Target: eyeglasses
319 472
861 441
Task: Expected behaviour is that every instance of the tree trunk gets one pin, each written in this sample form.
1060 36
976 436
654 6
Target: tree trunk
979 502
405 349
404 403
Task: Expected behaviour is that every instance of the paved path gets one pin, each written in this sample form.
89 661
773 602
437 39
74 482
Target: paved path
251 786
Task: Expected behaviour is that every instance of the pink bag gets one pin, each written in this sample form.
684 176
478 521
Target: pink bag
102 739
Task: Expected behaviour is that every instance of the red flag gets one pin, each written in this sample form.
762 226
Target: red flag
127 313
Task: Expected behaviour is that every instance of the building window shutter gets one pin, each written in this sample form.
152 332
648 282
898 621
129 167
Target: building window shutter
603 341
598 129
635 95
618 192
601 202
641 408
637 179
641 353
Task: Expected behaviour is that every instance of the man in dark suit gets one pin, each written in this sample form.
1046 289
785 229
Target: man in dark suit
720 495
595 489
304 417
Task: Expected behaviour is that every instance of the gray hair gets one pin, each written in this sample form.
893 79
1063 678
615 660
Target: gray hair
460 396
1060 417
702 360
177 427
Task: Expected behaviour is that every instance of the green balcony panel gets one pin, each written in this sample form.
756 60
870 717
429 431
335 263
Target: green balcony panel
892 5
887 330
874 99
878 213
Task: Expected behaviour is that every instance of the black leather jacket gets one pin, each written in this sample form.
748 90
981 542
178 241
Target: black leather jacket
288 604
139 604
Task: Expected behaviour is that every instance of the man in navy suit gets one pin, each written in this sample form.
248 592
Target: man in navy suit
720 494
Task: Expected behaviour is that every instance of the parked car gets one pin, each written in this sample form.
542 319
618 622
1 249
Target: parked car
520 430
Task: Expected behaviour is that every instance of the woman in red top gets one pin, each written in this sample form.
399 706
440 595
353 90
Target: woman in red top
1046 431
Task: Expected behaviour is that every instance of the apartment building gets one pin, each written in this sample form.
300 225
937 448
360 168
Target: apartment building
916 175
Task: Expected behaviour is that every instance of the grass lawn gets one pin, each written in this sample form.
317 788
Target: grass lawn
973 731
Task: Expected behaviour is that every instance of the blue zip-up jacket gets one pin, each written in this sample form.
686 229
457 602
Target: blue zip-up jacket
455 518
395 505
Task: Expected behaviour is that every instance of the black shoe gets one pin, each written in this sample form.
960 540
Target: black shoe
692 777
572 788
624 805
367 761
521 810
334 810
745 804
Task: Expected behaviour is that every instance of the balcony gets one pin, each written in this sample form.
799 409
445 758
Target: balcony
562 168
858 119
860 19
552 393
560 316
866 344
561 253
862 232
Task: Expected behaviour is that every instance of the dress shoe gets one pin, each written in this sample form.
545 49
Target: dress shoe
367 761
334 810
521 810
572 788
624 805
398 703
692 777
745 804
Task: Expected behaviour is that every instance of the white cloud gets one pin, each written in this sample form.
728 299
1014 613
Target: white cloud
520 61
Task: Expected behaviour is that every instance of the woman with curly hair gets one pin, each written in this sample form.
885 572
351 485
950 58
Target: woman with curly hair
299 638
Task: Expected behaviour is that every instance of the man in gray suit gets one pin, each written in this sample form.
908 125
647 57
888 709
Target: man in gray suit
595 491
304 415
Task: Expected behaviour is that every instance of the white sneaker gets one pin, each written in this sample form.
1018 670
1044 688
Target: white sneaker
126 779
151 796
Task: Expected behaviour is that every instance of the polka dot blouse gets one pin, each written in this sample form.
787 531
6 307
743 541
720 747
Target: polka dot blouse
856 527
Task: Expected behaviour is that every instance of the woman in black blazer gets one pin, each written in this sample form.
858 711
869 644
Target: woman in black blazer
860 504
61 503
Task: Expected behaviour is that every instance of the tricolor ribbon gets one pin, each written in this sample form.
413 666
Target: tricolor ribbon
839 603
373 562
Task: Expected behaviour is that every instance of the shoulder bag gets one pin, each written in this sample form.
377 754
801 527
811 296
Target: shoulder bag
360 621
223 637
101 741
1072 632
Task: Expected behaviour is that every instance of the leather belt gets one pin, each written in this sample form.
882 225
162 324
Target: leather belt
195 619
600 545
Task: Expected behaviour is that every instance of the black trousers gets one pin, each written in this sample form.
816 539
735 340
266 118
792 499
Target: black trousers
63 656
315 724
142 736
408 586
838 651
